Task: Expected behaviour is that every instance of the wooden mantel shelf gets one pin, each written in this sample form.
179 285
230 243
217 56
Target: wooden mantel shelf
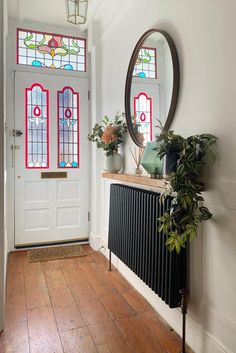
140 180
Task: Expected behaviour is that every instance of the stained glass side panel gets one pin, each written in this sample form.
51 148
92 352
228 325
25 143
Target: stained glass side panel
51 50
68 128
36 127
146 65
143 117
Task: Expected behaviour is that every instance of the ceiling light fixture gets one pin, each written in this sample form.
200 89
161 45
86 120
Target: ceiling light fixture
76 11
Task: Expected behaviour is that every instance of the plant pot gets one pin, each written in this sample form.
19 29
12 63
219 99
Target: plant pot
113 163
170 164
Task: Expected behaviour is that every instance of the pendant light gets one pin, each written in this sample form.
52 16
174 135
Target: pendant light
76 11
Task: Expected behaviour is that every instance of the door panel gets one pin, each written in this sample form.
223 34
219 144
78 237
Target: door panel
50 210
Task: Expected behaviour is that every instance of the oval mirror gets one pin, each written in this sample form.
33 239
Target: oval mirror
152 86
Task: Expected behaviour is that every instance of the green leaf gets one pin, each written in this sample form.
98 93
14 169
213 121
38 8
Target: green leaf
31 46
177 247
170 241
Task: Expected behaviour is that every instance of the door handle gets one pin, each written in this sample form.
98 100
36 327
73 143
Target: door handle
17 133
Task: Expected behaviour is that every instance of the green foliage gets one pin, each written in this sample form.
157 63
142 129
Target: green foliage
180 221
109 134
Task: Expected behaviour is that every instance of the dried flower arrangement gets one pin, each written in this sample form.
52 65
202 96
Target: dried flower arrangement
110 134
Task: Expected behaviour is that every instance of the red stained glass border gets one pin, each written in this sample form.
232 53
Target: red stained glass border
136 98
26 124
58 127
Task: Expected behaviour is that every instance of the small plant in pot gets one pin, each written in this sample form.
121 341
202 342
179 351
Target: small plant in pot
180 221
169 149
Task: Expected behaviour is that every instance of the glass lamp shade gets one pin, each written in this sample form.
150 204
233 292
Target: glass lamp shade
150 162
76 11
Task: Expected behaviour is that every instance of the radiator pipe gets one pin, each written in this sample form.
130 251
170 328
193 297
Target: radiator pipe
184 306
109 269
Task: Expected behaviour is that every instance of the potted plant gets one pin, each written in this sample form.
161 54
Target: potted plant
180 221
169 147
108 137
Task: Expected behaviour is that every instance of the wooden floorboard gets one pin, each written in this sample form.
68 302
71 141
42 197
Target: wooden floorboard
79 340
43 333
108 339
77 306
139 338
36 290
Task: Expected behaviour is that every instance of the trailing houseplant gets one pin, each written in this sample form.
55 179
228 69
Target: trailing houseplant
180 222
109 134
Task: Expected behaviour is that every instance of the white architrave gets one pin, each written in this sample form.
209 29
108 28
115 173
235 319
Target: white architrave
3 251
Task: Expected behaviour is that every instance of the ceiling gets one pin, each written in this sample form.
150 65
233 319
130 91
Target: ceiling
53 11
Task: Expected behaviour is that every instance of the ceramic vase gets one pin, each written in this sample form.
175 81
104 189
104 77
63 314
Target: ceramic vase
113 163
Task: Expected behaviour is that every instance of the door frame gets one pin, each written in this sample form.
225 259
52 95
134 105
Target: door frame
3 242
11 68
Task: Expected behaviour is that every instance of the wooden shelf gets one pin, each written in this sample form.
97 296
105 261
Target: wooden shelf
140 180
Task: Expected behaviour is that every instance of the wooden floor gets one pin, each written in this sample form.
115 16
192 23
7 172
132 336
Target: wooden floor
77 306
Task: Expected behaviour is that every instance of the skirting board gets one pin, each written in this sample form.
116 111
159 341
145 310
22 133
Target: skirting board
95 241
198 338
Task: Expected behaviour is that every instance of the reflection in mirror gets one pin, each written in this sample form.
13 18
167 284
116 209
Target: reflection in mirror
151 88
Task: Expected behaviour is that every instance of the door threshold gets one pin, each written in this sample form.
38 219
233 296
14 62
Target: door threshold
84 241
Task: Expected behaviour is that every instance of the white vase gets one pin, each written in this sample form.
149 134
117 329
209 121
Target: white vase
113 163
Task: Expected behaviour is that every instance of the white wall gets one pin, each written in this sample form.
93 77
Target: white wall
204 33
3 243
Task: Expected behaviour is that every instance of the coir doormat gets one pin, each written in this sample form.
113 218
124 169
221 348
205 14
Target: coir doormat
55 253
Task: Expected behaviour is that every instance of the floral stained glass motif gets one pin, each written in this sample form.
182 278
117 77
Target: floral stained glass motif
51 50
145 66
68 128
143 116
36 127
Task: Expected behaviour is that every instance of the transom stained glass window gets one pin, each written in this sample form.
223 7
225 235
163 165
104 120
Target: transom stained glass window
145 66
51 50
36 121
143 116
68 128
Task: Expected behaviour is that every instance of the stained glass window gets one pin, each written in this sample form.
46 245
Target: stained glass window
68 128
36 127
145 66
51 50
143 116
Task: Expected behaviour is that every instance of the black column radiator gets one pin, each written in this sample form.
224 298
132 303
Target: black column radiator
135 240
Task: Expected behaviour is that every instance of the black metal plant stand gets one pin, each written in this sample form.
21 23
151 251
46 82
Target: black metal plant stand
109 268
184 306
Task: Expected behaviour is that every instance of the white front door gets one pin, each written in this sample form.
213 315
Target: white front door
51 158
